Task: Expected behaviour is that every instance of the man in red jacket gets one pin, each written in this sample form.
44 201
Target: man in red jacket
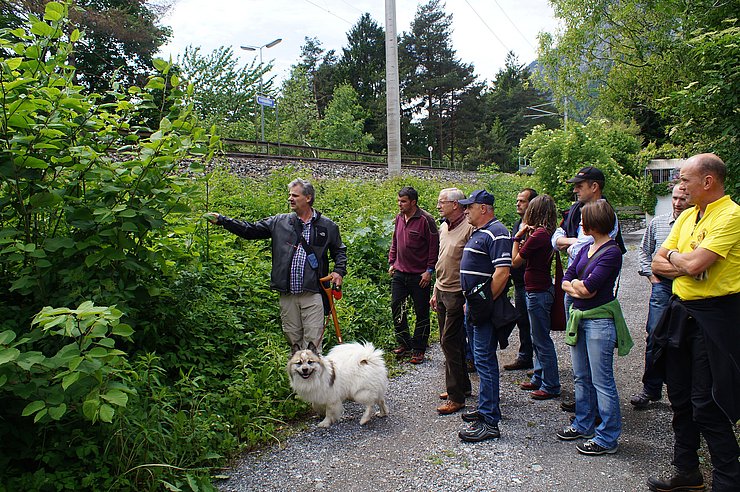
412 258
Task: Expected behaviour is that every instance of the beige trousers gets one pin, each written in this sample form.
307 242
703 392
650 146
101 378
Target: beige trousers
303 319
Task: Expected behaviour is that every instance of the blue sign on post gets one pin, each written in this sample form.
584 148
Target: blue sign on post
265 101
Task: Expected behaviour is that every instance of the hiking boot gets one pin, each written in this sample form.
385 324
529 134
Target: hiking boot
591 448
679 482
417 358
519 364
570 433
450 407
471 416
642 399
479 431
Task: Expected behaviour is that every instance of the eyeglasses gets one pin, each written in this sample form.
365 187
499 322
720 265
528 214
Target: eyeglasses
440 202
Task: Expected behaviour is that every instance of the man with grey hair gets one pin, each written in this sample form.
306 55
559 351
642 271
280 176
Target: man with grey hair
302 241
448 299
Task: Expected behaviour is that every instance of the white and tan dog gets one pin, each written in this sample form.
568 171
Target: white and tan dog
350 371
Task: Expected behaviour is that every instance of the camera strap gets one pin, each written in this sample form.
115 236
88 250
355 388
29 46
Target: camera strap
302 240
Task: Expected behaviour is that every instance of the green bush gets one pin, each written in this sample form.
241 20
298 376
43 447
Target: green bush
558 155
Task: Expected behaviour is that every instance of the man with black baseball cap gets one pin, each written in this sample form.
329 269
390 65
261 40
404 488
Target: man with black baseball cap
588 173
588 186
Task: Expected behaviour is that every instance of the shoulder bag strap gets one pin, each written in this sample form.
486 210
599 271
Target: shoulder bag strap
590 260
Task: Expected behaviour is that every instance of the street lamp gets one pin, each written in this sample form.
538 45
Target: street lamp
254 48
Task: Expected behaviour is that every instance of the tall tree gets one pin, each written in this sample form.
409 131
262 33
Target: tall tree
492 120
298 108
320 68
343 123
120 39
224 92
362 65
435 79
661 63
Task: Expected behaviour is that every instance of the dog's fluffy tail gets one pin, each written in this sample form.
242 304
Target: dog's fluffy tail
363 353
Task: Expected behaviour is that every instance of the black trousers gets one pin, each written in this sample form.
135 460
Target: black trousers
451 316
689 384
404 285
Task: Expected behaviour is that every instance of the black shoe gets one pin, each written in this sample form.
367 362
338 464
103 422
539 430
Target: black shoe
570 433
591 448
679 482
568 406
519 364
471 416
642 399
479 431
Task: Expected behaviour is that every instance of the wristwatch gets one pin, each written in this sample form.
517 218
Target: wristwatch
430 270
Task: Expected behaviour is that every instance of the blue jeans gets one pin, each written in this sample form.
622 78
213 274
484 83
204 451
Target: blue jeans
546 374
523 323
596 391
659 298
485 343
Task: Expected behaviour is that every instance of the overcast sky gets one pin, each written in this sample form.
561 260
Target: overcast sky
483 30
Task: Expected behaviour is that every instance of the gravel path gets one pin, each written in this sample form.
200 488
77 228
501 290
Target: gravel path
416 449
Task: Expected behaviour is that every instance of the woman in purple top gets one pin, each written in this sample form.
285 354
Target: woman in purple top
532 243
590 281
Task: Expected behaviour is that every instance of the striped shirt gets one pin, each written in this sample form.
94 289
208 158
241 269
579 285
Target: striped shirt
487 249
657 232
298 263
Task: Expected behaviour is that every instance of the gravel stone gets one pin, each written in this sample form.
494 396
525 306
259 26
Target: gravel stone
414 448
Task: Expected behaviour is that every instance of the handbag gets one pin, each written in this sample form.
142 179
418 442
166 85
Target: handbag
557 311
480 302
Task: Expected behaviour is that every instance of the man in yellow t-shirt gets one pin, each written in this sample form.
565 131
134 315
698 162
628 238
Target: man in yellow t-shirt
696 343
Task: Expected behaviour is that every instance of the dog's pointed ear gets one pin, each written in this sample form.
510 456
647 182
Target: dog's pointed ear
312 348
295 348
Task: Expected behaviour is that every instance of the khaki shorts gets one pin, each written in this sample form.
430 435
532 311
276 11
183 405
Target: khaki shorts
303 319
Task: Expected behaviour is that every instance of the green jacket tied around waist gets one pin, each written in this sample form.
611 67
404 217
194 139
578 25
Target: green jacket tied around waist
609 310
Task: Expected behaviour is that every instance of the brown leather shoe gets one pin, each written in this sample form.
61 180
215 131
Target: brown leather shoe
543 395
529 386
444 395
400 351
449 407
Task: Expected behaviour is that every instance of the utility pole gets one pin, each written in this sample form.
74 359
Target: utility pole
392 96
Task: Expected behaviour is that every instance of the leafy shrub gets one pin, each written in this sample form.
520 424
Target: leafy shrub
558 155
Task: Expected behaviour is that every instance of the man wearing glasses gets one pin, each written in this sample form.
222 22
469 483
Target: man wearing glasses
448 300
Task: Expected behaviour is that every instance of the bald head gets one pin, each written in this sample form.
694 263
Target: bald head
702 177
710 164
